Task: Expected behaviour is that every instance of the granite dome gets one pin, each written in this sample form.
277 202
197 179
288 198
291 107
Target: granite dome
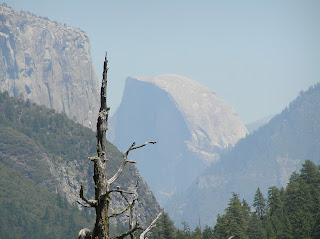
191 124
211 121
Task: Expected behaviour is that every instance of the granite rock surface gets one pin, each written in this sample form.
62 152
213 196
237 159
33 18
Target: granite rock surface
49 64
191 124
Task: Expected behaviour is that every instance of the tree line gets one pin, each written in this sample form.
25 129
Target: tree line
285 213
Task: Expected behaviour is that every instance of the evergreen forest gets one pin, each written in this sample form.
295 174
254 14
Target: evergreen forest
284 213
32 204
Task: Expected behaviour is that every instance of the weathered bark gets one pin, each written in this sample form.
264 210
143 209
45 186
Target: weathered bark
102 185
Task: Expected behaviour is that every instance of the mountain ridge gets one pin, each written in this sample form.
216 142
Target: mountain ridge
253 126
264 158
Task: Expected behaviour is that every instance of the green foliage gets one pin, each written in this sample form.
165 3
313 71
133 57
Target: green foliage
55 132
293 212
28 132
207 233
30 137
290 213
164 229
259 204
235 221
31 211
196 234
255 227
261 159
303 201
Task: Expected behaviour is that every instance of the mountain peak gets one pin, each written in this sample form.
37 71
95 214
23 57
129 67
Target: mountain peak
210 119
191 124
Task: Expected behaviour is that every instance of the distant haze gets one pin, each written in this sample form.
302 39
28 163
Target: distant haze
256 55
191 125
253 126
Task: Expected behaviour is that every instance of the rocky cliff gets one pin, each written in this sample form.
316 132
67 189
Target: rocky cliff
191 124
48 63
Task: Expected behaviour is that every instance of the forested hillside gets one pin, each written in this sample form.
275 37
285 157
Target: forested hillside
43 160
266 157
289 213
292 212
29 210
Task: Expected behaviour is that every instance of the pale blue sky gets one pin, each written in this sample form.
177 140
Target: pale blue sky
256 55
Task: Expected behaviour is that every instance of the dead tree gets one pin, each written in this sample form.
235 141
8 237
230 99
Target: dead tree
101 201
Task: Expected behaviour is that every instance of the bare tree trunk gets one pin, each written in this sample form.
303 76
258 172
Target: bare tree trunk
101 229
101 202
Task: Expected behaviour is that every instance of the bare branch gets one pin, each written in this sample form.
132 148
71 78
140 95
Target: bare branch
84 205
119 213
127 233
130 205
101 183
126 160
120 191
91 203
149 142
153 224
93 158
131 224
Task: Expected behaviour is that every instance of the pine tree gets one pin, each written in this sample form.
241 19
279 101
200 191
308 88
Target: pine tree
255 228
207 233
186 229
221 229
246 210
196 234
168 227
233 223
259 204
279 225
165 228
294 204
302 199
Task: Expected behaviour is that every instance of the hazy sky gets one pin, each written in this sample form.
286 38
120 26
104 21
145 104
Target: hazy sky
256 55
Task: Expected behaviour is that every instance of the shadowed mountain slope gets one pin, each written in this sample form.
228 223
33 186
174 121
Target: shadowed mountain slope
191 124
264 158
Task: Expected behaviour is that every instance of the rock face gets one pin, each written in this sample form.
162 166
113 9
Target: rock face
48 63
191 124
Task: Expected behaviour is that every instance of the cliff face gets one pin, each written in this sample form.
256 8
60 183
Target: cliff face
191 124
210 121
49 64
